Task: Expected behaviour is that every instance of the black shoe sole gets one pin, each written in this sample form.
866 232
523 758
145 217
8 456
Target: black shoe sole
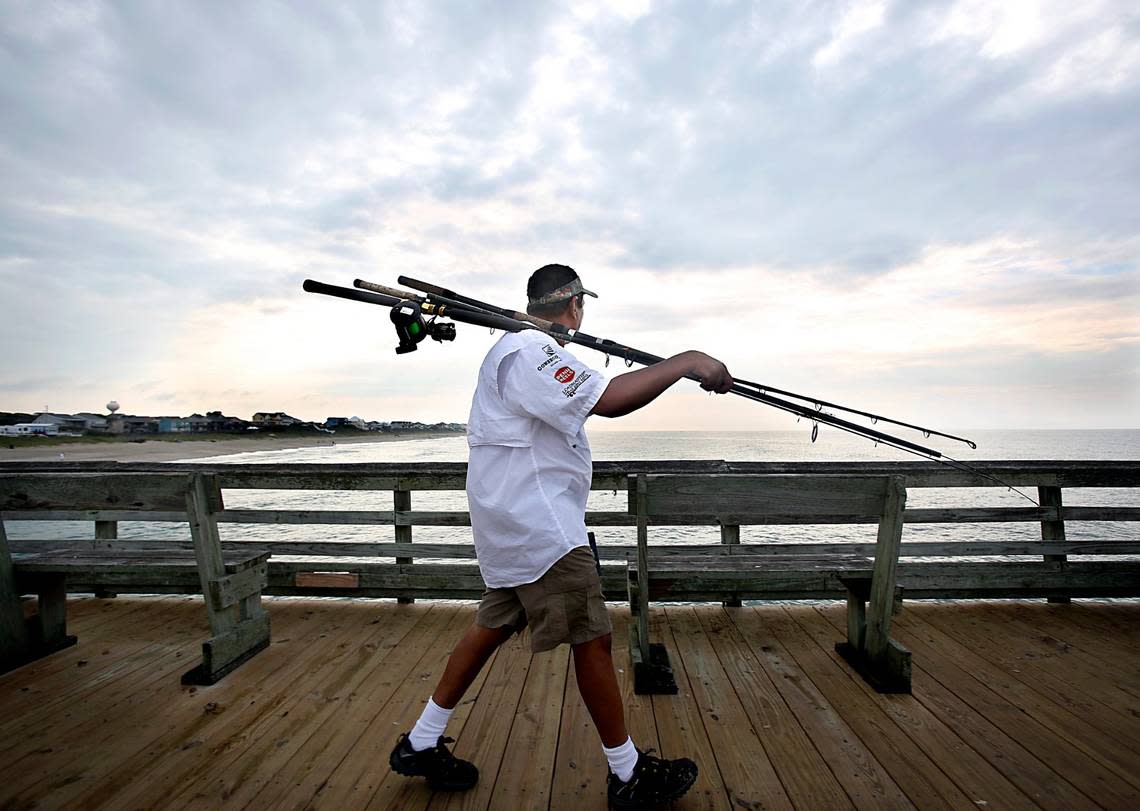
398 768
676 794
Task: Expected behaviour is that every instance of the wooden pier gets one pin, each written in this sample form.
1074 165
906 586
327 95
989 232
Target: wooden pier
1015 705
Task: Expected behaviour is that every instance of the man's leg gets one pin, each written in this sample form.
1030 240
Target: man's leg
465 662
421 751
597 682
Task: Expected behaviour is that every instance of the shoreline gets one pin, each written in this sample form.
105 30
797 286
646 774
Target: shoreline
173 450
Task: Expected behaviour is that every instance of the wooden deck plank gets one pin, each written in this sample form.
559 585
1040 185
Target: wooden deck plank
640 721
949 682
246 768
33 672
176 741
411 795
142 740
74 745
580 768
1107 674
357 741
73 673
525 777
745 769
395 791
876 765
976 777
483 739
1073 683
1051 715
1120 615
802 771
681 729
1057 621
315 762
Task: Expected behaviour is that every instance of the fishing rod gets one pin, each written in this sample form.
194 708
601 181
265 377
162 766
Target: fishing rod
631 355
745 388
409 308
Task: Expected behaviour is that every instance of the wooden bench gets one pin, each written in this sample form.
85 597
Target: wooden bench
231 578
735 500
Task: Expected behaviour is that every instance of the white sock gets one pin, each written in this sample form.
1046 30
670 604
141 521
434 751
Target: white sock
622 759
433 720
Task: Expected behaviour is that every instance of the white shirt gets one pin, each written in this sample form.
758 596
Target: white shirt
530 467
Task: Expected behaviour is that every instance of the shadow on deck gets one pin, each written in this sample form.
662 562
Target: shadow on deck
1015 705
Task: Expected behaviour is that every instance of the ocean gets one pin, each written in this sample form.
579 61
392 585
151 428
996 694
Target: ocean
661 445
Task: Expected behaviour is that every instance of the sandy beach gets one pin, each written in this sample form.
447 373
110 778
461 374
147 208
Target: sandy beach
171 450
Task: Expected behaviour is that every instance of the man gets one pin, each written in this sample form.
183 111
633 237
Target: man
527 482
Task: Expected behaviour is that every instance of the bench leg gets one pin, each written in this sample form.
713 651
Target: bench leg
856 620
240 631
53 614
45 632
652 671
889 669
652 675
226 652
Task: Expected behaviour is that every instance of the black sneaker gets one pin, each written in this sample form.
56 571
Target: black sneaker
443 770
654 782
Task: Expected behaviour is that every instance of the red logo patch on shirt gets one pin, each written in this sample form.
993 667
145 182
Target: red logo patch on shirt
564 375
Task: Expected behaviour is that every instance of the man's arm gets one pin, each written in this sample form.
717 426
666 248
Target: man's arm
632 390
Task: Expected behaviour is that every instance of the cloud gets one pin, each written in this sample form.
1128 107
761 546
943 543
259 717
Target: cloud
172 173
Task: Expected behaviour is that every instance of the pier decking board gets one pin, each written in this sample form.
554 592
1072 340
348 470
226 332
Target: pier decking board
803 772
982 727
874 763
1083 691
978 778
1036 717
269 745
123 673
745 769
134 745
49 673
1018 704
1093 673
681 729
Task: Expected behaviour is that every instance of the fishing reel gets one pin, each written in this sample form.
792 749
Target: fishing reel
411 328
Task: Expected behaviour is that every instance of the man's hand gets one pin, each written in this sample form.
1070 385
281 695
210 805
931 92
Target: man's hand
713 374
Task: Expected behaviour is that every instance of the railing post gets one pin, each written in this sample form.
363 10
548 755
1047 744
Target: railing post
642 568
1053 530
730 535
105 531
402 502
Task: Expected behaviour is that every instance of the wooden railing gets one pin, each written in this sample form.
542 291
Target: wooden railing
346 567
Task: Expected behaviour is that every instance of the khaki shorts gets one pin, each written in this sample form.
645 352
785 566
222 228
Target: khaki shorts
564 605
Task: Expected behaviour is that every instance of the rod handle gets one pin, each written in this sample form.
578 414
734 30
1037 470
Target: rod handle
388 291
313 286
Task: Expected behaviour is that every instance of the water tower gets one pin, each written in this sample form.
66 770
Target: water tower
113 406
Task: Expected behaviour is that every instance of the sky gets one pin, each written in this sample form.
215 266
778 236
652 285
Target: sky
930 210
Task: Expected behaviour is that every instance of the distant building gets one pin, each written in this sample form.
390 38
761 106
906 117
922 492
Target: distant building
217 421
335 422
274 419
30 429
173 425
93 423
127 424
66 423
